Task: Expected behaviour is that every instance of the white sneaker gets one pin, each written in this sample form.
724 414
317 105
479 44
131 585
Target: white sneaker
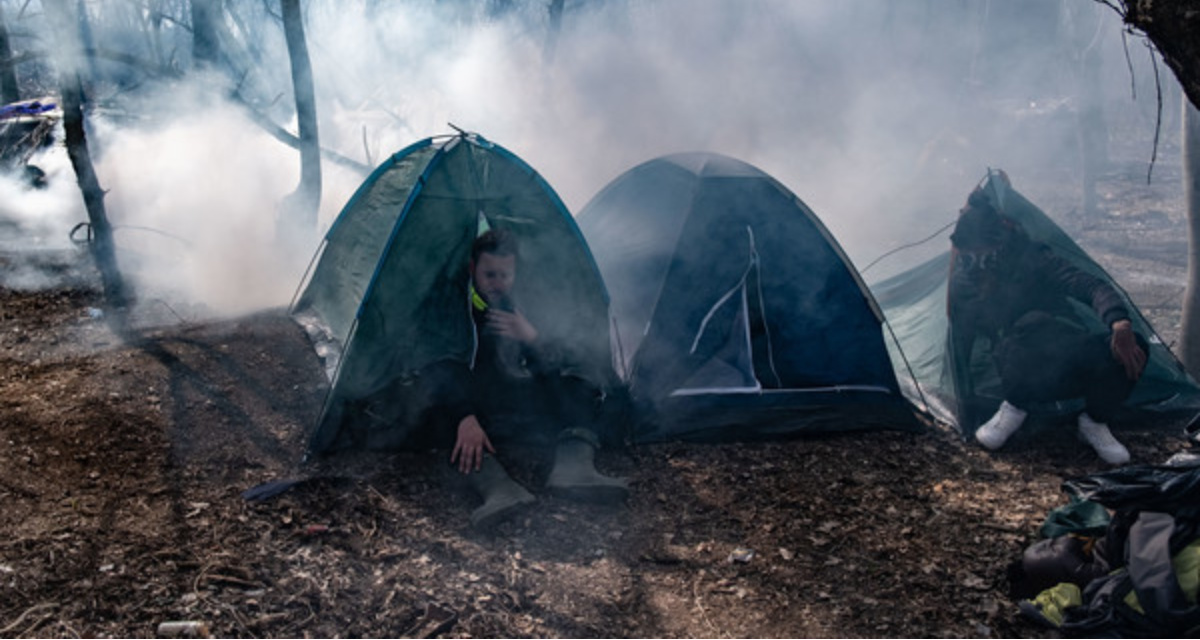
1102 440
996 431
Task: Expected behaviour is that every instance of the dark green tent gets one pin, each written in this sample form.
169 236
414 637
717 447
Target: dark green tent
736 313
914 303
389 294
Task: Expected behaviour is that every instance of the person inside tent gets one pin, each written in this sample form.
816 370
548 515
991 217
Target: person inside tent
520 391
1015 291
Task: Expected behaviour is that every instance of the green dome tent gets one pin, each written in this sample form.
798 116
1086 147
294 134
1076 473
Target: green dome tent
736 314
389 294
914 302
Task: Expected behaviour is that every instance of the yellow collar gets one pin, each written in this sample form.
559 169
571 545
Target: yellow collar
477 300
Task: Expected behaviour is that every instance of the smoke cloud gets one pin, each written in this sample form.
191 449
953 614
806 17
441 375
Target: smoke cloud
879 115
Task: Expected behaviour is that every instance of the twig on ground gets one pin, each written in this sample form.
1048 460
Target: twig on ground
26 613
700 605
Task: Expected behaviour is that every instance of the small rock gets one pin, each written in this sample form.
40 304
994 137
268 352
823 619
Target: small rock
741 555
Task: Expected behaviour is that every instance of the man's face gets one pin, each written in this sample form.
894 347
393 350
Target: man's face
978 260
493 276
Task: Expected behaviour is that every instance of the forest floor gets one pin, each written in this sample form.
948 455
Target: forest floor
123 462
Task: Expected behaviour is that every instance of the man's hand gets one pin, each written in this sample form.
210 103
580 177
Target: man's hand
1126 349
471 444
511 325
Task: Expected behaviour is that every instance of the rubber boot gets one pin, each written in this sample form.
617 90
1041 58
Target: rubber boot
574 474
502 496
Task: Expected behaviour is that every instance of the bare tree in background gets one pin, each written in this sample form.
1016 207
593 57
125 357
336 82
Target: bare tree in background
88 42
555 26
103 250
214 46
205 40
1084 25
9 90
1173 26
1189 342
300 208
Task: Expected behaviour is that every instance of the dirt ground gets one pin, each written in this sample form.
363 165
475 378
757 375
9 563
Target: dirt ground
122 465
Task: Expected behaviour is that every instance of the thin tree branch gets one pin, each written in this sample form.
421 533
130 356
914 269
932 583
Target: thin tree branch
22 57
1129 64
286 137
367 147
134 61
1108 3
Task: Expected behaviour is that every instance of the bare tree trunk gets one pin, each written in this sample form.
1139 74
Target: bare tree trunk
499 8
1189 343
205 44
1084 28
84 27
1093 126
555 26
102 247
150 23
10 91
301 206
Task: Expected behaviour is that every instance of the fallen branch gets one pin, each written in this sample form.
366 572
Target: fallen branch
434 622
228 579
21 618
697 600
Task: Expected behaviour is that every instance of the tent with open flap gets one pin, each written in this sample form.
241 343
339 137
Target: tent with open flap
914 303
389 293
736 315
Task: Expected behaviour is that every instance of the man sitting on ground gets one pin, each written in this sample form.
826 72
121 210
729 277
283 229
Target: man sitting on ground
520 391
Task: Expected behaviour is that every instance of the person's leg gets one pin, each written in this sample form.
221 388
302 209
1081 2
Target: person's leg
533 411
1105 387
579 435
1023 377
520 412
563 413
1040 363
1036 363
1001 426
440 394
502 496
574 473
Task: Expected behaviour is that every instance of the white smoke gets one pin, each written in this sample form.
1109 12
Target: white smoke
879 115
